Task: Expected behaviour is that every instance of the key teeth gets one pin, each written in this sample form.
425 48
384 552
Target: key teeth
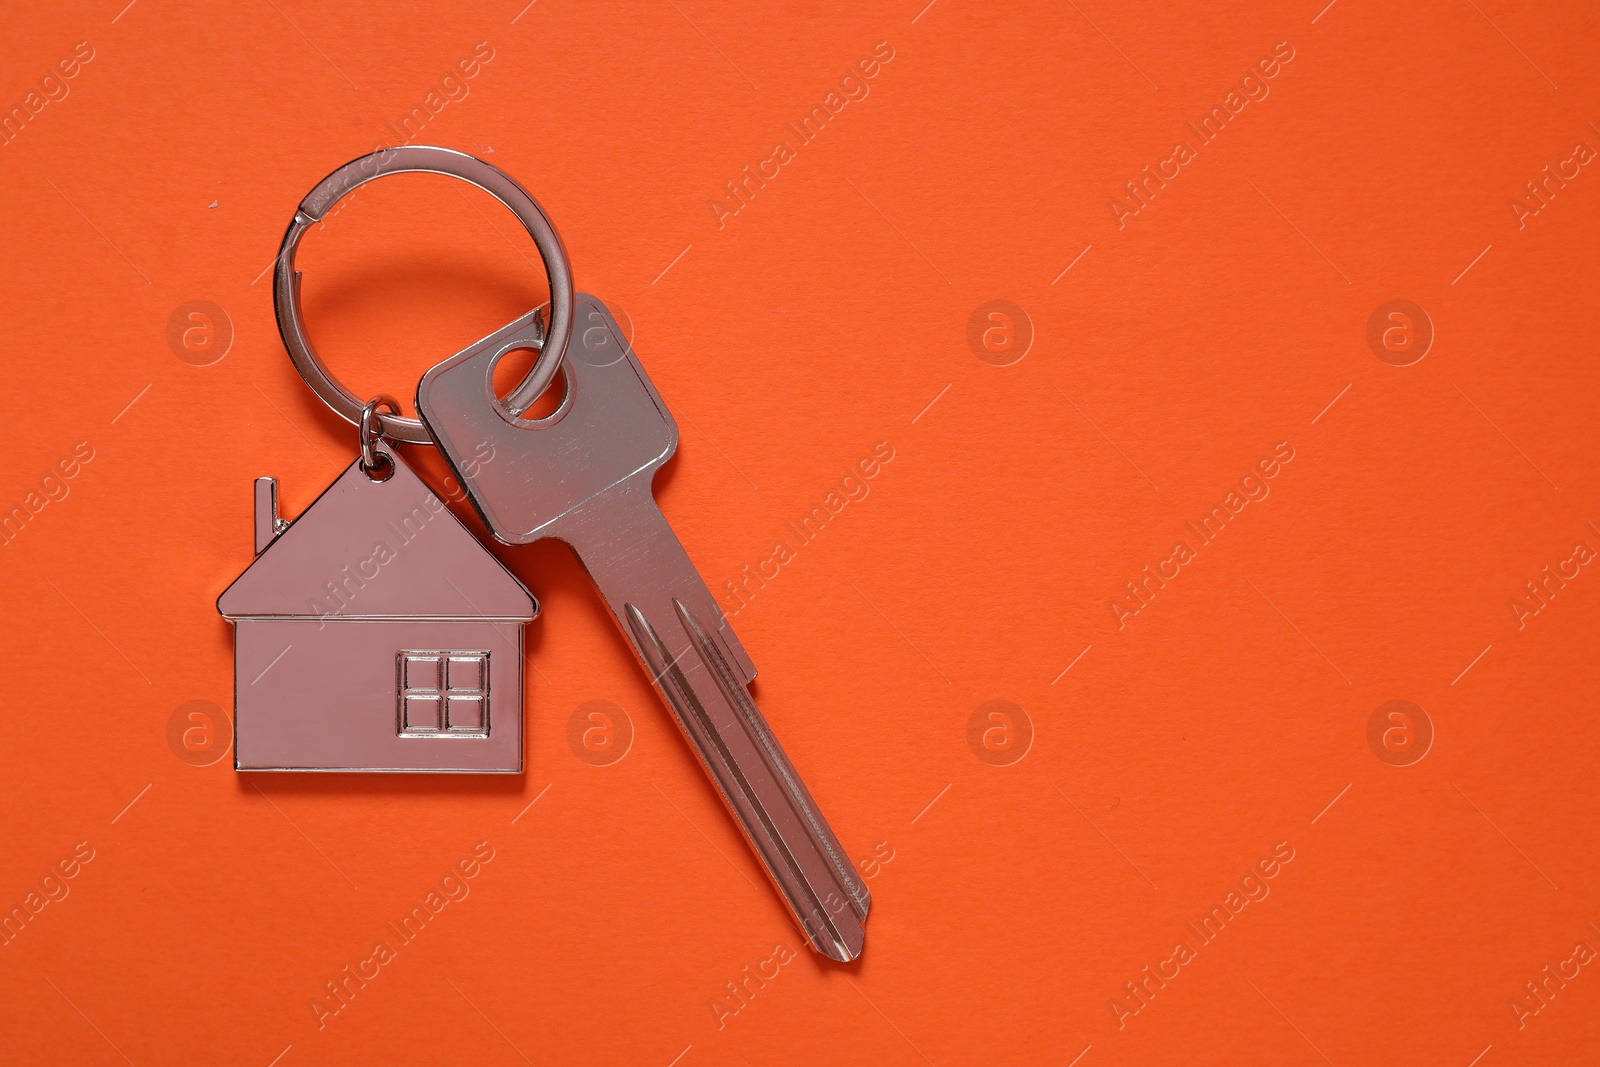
860 900
839 944
733 648
840 941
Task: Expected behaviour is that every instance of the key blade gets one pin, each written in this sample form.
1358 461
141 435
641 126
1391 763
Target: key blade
638 566
757 782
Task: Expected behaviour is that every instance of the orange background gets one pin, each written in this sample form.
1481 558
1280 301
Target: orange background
1229 715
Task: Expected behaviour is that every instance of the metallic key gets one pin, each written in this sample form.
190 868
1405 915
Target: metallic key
583 474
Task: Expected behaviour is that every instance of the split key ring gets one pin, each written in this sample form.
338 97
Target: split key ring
403 160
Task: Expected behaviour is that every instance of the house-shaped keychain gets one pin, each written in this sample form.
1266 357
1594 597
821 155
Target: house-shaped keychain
375 633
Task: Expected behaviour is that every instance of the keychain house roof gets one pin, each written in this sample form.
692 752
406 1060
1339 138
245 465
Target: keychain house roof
375 633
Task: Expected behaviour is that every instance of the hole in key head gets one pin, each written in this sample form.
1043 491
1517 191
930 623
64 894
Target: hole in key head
511 367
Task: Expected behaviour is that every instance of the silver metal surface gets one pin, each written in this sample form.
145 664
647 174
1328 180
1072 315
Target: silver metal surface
402 160
375 633
373 460
583 475
268 525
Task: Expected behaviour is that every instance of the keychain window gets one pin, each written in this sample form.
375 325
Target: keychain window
443 693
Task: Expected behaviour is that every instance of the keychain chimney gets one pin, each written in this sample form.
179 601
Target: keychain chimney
268 525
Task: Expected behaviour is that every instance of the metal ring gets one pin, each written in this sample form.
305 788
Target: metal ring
373 460
402 160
